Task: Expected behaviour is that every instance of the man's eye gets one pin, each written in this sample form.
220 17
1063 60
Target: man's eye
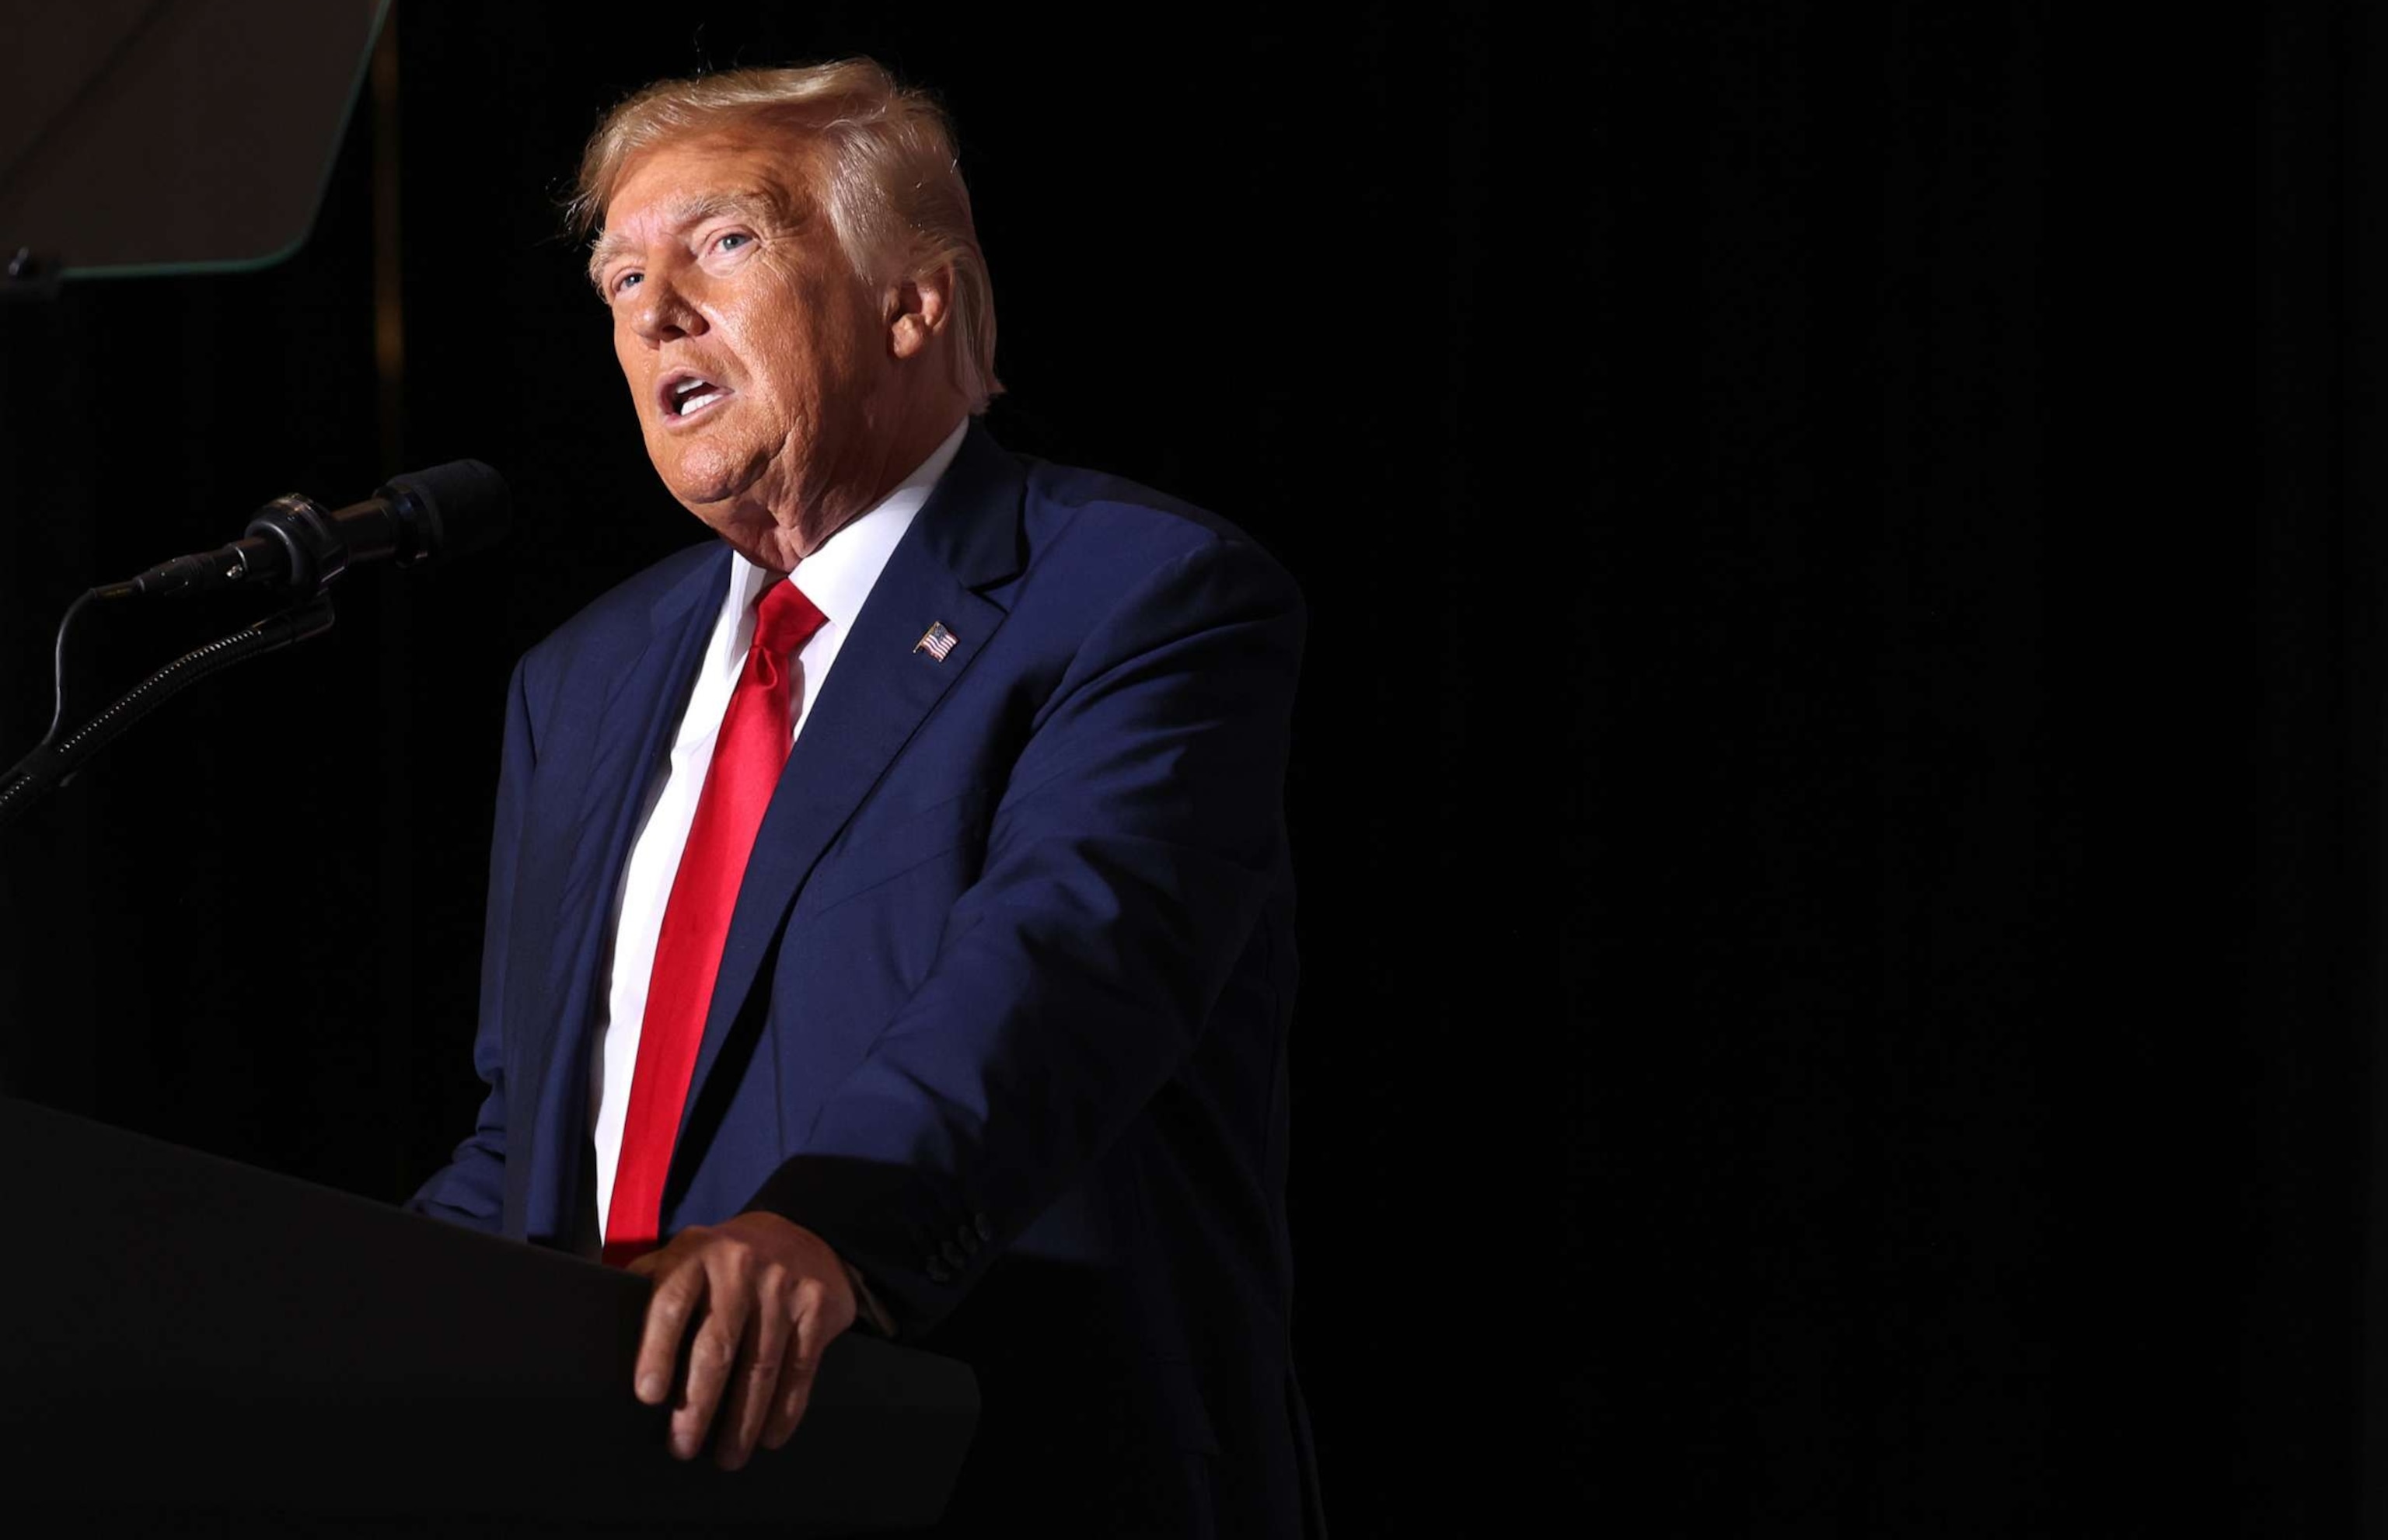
625 281
722 243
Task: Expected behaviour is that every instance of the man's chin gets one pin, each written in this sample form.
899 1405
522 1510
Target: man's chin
707 476
710 491
707 501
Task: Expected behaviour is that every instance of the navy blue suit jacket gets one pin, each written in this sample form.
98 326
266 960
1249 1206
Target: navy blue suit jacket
1002 1015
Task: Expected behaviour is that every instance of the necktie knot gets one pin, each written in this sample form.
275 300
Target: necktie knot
786 620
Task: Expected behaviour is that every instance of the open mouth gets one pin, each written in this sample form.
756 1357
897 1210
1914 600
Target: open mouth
683 394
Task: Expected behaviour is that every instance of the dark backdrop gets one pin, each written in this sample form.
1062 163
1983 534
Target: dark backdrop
1838 777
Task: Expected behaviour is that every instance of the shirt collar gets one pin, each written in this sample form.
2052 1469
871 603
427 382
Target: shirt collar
839 576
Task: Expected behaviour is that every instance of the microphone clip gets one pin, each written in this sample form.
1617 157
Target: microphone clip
312 553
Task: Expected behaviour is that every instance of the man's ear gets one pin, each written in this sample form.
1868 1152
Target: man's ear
917 309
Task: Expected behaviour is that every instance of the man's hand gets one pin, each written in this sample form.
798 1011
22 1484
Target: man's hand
771 1295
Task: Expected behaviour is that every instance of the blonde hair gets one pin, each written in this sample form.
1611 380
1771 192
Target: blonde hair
887 173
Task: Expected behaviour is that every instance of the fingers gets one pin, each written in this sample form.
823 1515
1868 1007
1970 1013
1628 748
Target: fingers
710 1358
675 1298
762 1348
816 1325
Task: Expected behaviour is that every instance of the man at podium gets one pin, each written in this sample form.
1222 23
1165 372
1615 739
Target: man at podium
890 920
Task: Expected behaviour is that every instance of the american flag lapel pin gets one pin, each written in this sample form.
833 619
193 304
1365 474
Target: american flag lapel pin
937 641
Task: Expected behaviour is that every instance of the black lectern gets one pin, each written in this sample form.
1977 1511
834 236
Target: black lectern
180 1335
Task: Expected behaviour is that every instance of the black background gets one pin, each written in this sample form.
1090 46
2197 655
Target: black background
1838 775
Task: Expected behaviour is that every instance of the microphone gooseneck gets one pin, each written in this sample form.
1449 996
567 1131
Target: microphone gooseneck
293 547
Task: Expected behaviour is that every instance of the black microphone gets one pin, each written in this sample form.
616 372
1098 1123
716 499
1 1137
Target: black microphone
295 544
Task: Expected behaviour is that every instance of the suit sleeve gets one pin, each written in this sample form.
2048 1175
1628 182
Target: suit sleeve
1137 843
471 1189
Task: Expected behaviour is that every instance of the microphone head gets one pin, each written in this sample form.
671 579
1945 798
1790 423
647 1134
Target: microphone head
448 511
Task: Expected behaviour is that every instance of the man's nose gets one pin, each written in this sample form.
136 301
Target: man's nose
664 309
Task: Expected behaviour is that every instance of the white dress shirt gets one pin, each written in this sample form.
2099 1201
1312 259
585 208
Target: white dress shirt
837 579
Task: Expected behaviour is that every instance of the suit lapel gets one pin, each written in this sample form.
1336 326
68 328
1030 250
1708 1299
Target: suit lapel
884 686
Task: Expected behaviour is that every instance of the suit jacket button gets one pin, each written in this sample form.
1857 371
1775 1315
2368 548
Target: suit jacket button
937 1273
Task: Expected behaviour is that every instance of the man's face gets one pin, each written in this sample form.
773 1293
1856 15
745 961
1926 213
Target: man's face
755 355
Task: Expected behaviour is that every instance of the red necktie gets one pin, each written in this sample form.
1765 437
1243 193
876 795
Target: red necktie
748 754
